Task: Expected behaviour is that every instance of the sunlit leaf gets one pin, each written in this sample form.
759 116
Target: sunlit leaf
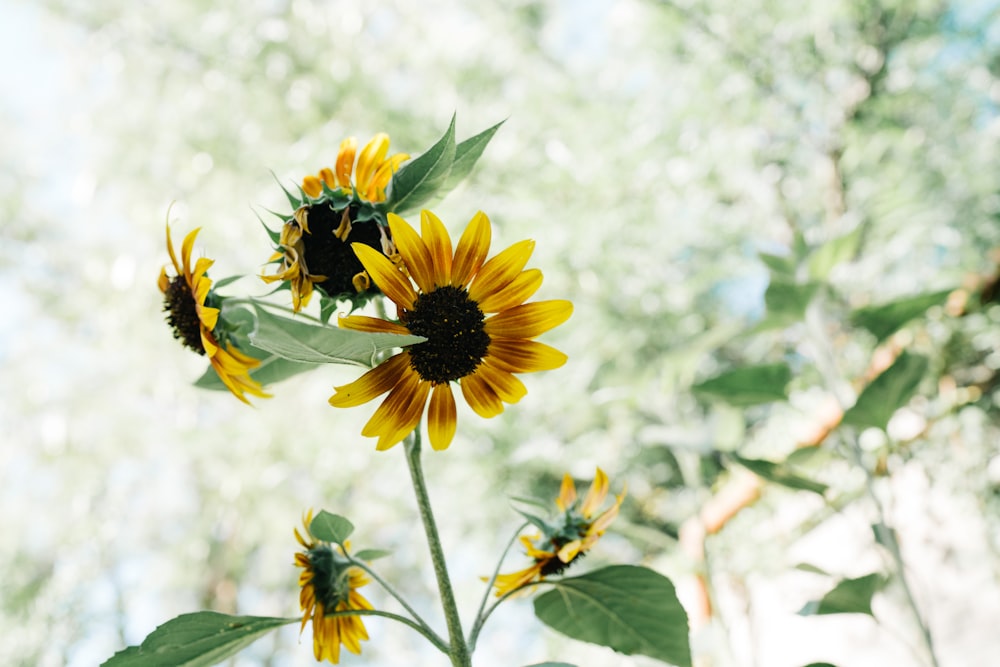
418 180
781 265
833 252
849 596
787 301
630 609
780 473
888 392
885 319
331 527
749 385
200 639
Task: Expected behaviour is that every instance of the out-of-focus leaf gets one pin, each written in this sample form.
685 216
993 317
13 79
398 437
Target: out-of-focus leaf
779 473
885 319
200 639
750 385
420 179
781 265
331 527
849 596
888 392
786 302
809 567
372 554
833 252
630 609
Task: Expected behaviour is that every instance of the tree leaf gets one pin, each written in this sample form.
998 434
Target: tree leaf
371 554
888 392
330 527
779 473
467 153
630 609
200 639
749 385
885 319
833 252
418 180
849 596
787 301
315 344
782 265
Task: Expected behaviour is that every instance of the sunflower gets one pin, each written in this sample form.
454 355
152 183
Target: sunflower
372 172
448 306
185 299
329 583
314 244
568 538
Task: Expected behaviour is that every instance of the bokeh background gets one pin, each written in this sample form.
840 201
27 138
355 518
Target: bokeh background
652 148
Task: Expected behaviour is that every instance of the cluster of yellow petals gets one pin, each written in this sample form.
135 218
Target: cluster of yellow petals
371 173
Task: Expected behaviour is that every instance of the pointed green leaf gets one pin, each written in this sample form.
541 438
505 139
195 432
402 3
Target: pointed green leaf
200 639
419 179
297 341
782 265
888 392
834 252
750 385
779 473
371 554
787 300
331 527
809 567
849 596
630 609
467 153
885 319
229 280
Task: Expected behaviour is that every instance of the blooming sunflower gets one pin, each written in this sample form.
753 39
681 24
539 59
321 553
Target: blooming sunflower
314 243
448 306
568 538
329 583
185 300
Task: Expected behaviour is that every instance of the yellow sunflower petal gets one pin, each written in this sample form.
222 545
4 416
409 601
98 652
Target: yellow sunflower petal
505 583
163 282
441 417
472 249
515 293
380 181
567 493
371 156
399 413
186 246
507 387
170 249
345 161
374 383
530 319
373 324
413 251
480 396
209 316
596 495
384 274
524 356
499 271
569 551
326 175
312 186
439 244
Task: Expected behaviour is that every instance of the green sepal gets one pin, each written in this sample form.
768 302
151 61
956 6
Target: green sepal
418 180
888 392
200 639
630 609
749 385
537 522
886 319
229 280
371 554
849 596
293 201
467 153
331 527
779 473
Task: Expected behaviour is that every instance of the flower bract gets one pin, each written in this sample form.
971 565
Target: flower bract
473 313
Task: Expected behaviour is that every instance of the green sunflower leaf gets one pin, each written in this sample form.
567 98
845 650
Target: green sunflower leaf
750 385
849 596
467 153
630 609
272 369
779 473
331 527
888 392
200 639
229 280
419 179
885 319
309 343
371 554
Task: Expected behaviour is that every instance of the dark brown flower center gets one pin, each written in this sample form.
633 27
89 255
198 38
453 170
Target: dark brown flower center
182 314
328 255
456 341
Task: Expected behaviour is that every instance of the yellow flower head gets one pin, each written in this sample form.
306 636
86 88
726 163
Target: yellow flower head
574 532
328 584
445 297
185 298
371 173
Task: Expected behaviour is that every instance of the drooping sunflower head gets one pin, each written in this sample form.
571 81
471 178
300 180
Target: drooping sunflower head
328 583
366 174
194 314
472 312
568 536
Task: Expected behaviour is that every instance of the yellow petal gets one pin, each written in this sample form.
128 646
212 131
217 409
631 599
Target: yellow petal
312 186
327 177
374 383
439 244
441 417
409 420
529 320
380 181
569 551
186 247
413 251
567 493
371 157
163 282
400 412
514 294
388 278
170 249
373 324
524 356
472 250
596 495
345 161
480 397
507 387
501 270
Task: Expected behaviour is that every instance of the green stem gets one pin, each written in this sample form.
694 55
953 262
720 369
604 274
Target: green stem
480 619
430 635
458 649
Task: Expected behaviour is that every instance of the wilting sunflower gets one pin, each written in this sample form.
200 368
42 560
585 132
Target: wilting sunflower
314 243
185 300
448 306
573 532
329 583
